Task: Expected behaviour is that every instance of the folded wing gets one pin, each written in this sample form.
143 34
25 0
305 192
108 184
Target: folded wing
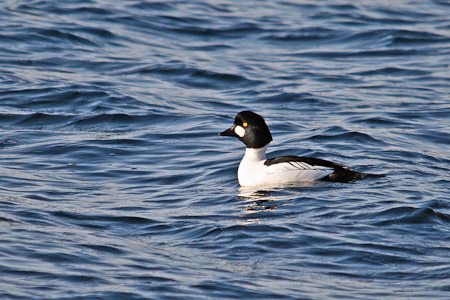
310 168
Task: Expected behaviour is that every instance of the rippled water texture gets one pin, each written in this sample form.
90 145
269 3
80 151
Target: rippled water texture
115 185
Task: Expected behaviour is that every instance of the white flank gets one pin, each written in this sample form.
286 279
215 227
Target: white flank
253 172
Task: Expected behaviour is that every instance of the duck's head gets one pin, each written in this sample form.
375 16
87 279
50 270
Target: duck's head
251 129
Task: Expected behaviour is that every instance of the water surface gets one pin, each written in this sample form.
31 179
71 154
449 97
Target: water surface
115 185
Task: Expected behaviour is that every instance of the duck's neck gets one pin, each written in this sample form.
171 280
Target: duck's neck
252 154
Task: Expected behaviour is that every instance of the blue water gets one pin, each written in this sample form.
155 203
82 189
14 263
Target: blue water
115 185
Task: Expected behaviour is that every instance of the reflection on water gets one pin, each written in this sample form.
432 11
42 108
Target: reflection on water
260 199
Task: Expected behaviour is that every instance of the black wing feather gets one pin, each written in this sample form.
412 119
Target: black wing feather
342 173
309 160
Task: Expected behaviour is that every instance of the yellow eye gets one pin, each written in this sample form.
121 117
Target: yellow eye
245 124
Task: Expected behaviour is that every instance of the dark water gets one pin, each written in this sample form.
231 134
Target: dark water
115 185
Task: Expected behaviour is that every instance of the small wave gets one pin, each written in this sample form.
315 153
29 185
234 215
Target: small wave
298 98
393 71
361 138
209 47
95 31
104 249
111 121
194 77
34 120
304 34
344 7
420 40
233 31
378 121
411 215
83 8
61 35
101 221
364 53
154 5
434 136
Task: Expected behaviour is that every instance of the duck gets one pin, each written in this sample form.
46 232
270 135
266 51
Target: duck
257 170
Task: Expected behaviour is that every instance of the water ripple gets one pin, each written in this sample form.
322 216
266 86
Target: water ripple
115 184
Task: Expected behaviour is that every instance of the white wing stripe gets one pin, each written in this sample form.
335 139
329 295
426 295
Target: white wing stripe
296 165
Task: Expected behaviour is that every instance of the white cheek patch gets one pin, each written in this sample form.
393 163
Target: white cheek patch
240 131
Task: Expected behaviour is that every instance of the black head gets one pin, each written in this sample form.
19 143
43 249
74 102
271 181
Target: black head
249 128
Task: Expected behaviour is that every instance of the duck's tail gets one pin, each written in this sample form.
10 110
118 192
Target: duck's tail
346 175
